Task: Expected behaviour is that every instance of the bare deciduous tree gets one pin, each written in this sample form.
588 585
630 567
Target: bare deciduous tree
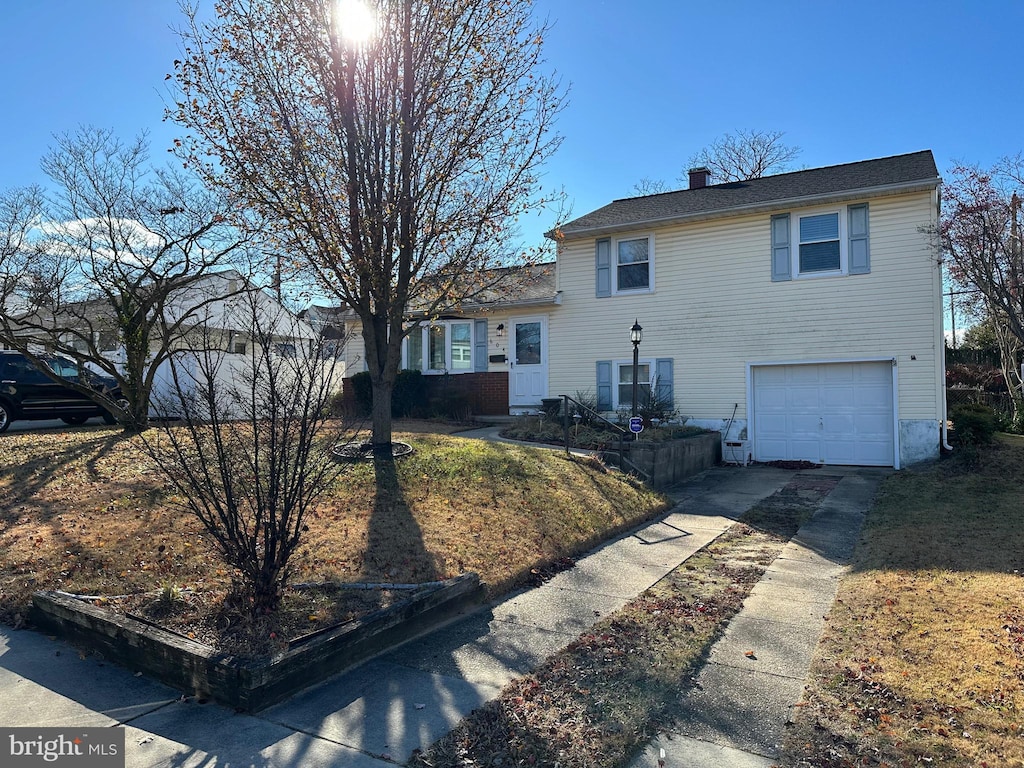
981 238
745 155
648 186
396 165
112 266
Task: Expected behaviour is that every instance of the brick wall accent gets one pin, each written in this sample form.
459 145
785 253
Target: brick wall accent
485 393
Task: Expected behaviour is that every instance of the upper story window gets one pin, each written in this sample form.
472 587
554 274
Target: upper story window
820 242
633 264
624 265
820 249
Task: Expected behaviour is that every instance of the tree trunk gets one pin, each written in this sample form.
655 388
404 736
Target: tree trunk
136 416
1009 359
381 414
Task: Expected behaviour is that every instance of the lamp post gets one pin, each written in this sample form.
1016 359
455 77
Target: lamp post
636 335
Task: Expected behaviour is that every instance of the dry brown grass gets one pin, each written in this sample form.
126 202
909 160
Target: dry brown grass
923 657
84 510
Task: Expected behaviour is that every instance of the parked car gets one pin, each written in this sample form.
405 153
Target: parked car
26 393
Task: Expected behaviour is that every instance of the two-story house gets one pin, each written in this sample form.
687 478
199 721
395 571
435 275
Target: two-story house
801 310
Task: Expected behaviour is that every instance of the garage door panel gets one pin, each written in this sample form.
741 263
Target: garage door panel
838 425
874 453
874 396
878 373
837 373
775 424
773 450
803 424
769 398
839 397
804 450
804 398
877 426
836 413
840 452
802 374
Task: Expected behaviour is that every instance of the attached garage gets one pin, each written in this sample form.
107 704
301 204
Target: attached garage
827 413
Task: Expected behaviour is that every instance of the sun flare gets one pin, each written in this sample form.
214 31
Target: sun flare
356 21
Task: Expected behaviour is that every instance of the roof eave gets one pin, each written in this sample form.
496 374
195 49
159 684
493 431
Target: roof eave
885 190
495 306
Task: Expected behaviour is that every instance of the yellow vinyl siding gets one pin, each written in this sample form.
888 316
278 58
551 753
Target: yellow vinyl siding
714 310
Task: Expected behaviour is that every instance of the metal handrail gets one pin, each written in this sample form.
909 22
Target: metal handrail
622 433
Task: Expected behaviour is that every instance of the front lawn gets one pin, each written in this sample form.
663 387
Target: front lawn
86 511
922 662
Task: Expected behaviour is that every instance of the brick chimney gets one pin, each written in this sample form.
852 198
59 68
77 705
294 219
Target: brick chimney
699 177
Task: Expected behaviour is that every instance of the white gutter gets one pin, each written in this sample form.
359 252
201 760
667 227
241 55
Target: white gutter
759 207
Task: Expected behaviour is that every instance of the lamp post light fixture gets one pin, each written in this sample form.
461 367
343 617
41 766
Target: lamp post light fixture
636 335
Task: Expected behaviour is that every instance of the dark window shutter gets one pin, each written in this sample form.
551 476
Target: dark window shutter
603 267
665 385
782 264
860 252
604 385
480 346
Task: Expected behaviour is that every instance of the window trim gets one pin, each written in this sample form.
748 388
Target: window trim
649 288
842 214
618 365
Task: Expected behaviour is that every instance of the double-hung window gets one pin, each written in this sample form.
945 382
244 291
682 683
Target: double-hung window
819 243
624 383
633 264
624 265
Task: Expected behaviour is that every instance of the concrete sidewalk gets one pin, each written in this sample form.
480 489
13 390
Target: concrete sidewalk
379 713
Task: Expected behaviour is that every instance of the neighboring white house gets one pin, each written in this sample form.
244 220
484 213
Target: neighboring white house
803 310
219 313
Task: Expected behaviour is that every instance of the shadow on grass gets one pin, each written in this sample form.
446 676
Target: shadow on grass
394 540
25 479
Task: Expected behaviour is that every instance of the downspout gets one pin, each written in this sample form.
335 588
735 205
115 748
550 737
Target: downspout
945 421
944 430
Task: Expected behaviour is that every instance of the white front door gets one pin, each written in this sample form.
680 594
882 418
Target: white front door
528 361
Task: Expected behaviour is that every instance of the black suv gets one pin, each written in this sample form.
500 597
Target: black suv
26 393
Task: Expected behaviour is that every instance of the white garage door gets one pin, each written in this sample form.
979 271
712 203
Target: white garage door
835 413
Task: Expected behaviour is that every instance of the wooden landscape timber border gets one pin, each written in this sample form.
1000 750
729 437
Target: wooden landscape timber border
249 684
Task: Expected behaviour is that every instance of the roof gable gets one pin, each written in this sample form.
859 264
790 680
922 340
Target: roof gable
892 174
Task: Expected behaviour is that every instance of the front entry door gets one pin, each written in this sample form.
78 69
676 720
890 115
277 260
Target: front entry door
528 361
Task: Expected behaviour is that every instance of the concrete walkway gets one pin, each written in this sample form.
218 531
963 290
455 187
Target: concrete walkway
379 713
735 714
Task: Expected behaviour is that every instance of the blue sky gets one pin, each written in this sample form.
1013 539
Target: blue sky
652 81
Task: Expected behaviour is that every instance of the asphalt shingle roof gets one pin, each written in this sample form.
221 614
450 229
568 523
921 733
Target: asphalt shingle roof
899 171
